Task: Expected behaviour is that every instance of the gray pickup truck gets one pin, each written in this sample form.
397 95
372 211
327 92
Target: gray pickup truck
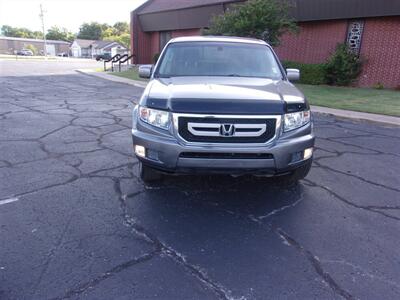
222 105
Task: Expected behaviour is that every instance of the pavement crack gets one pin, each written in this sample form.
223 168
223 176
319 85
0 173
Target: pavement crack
315 262
52 253
357 146
282 208
324 167
72 179
164 250
348 202
91 284
362 272
58 129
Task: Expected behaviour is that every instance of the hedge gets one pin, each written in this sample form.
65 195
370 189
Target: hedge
309 73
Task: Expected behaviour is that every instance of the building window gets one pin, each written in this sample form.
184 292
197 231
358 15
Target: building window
354 35
165 36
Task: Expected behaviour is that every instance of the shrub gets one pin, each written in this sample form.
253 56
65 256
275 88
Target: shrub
309 73
343 67
32 48
378 86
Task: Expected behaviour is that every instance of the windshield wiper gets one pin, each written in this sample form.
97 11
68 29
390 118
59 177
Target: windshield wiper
247 76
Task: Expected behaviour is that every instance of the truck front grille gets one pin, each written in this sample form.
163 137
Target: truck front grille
226 129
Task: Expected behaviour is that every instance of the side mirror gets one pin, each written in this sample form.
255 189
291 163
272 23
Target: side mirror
145 71
293 74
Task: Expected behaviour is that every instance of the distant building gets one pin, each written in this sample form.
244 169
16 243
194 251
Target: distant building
10 45
370 27
82 48
91 48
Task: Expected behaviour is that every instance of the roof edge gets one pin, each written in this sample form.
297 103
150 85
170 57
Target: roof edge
137 9
189 7
33 40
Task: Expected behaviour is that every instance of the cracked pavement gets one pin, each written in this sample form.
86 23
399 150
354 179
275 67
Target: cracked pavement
76 222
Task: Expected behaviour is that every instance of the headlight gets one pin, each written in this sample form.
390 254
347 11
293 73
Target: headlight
296 120
155 117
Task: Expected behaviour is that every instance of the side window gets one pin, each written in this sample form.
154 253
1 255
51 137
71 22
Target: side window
165 36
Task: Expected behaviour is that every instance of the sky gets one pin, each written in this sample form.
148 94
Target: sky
64 13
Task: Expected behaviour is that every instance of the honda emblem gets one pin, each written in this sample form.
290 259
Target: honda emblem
227 130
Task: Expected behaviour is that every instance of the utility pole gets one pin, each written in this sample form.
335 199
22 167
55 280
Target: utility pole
44 33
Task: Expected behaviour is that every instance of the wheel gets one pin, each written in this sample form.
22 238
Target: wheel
296 175
148 174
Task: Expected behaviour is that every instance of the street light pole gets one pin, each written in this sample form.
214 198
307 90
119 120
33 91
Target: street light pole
44 33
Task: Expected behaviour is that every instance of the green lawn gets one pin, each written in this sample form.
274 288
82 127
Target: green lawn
130 74
385 102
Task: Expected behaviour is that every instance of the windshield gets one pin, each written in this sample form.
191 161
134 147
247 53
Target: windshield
218 59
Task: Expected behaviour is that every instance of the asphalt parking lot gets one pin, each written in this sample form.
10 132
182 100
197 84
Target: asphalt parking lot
76 222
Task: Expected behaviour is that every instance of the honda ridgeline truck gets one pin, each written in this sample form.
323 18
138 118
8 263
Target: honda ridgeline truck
221 105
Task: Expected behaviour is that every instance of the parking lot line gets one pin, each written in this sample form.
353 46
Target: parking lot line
9 200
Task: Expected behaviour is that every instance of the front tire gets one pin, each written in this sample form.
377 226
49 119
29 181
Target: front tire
296 175
148 174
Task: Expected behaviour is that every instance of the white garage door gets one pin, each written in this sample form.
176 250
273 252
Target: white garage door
51 50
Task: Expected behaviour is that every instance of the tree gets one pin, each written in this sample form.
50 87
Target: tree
343 67
124 39
109 32
118 33
262 19
62 34
37 34
121 28
32 48
91 31
7 30
21 32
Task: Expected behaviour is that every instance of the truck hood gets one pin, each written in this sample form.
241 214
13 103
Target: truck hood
221 95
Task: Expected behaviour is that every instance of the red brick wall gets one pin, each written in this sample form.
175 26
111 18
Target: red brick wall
149 43
380 46
314 42
155 40
155 43
140 42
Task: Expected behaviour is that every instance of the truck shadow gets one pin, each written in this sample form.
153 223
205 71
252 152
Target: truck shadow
217 217
252 199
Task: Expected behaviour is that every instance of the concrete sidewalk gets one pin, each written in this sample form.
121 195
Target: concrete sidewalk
348 114
114 78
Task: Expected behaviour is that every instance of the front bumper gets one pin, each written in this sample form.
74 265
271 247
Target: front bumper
164 152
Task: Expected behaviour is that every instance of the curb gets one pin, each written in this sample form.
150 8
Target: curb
355 115
347 114
114 78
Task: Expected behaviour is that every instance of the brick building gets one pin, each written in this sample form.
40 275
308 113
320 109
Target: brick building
10 45
370 27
